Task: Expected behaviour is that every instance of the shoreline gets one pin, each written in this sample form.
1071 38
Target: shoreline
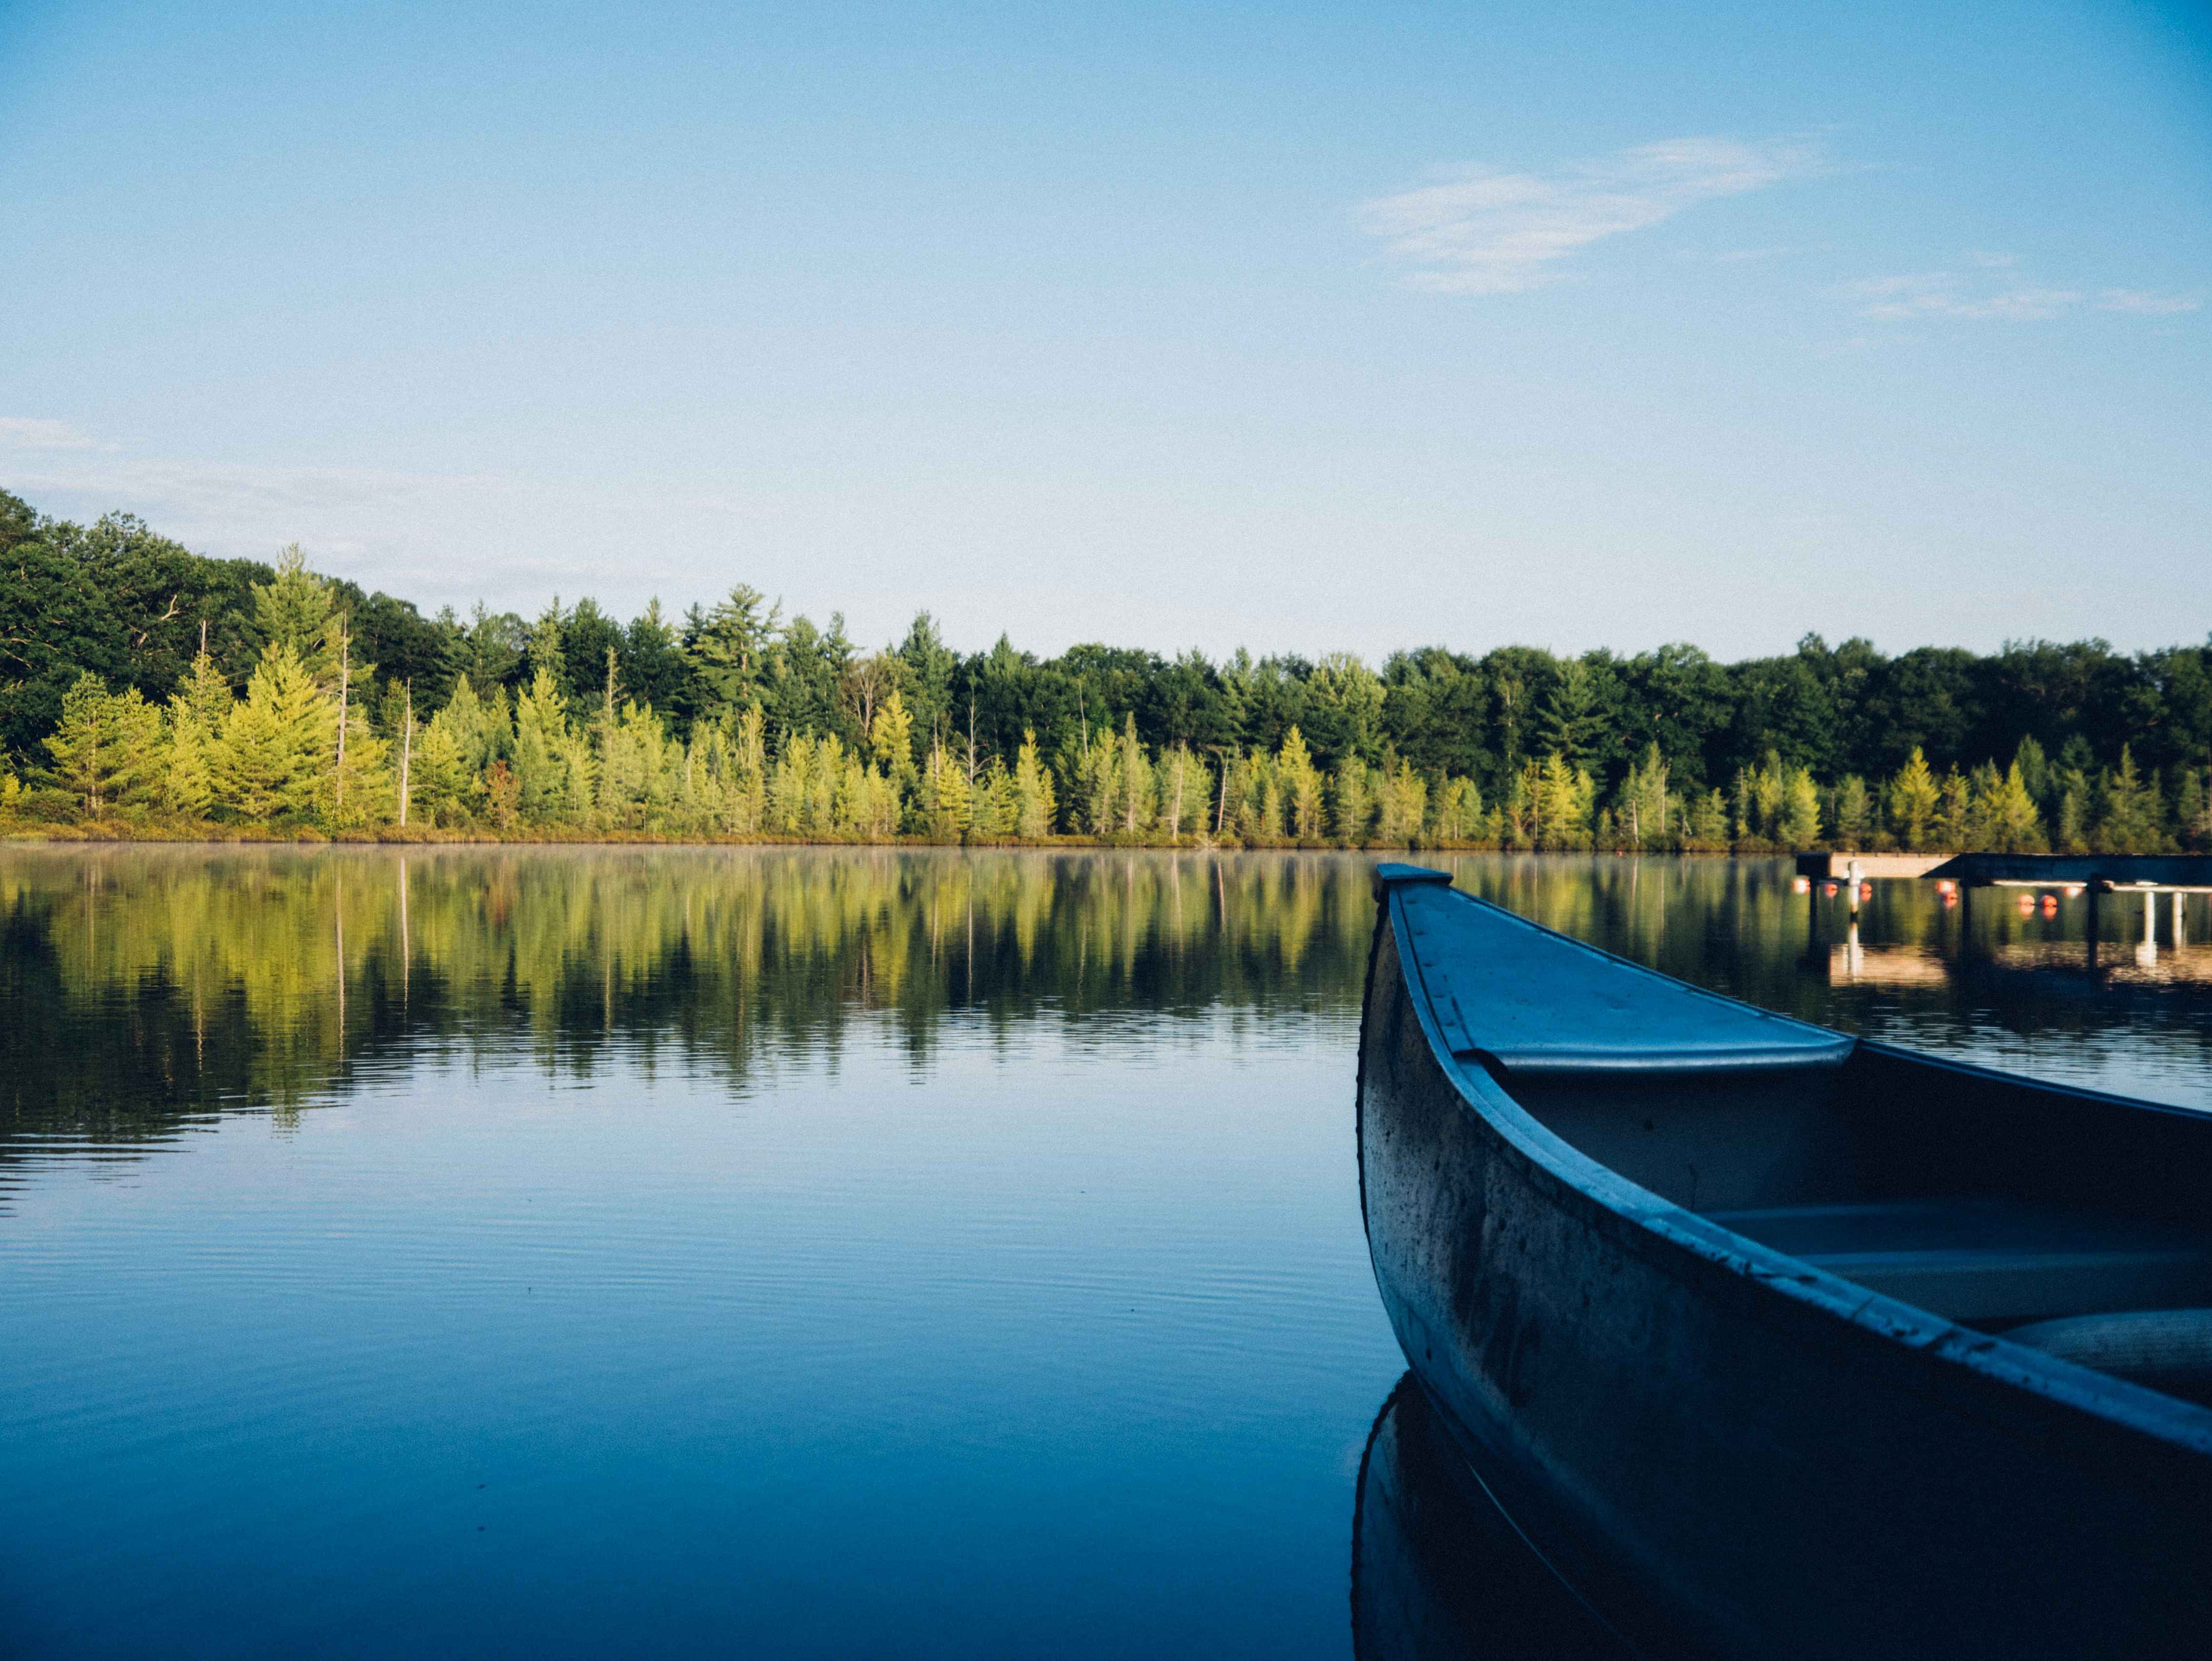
24 833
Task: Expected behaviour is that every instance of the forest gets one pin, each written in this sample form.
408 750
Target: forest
146 691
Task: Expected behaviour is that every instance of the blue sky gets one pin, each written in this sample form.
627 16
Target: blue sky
1304 327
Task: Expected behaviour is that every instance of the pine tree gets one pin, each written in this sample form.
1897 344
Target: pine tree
1801 811
541 750
2129 822
1571 724
1403 810
1853 814
1353 789
1459 812
1913 798
1953 801
1644 808
437 779
106 751
1033 793
1564 793
1302 786
1135 796
296 612
2011 824
891 735
196 714
273 755
2192 809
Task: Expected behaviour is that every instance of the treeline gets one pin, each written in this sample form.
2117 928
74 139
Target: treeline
146 688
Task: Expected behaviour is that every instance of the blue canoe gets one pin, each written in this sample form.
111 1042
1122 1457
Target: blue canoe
1779 1342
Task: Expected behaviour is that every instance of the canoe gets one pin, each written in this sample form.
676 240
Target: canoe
1777 1341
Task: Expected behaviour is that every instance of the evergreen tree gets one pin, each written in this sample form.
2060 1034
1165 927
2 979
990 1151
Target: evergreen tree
1954 820
1801 811
1353 791
1643 809
438 780
1853 814
541 749
273 755
1571 724
2192 808
2011 825
1913 799
1459 812
1403 810
296 612
891 735
197 712
1566 795
2129 822
1708 831
1033 791
1302 786
106 750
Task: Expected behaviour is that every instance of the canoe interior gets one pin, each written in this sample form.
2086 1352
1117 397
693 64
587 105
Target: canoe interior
1990 1202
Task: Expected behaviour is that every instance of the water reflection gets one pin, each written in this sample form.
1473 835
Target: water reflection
1438 1573
147 990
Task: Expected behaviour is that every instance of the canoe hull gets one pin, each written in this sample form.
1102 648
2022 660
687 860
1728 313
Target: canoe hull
1722 1463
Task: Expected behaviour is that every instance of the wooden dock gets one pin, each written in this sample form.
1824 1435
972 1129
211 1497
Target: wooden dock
1834 867
2158 873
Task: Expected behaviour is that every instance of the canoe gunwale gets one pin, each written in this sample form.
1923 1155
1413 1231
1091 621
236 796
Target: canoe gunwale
1759 1281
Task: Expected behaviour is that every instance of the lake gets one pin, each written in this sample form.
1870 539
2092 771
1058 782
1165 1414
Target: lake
798 1251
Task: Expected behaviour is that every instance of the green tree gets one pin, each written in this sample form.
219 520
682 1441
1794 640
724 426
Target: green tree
729 649
296 613
1033 793
1913 798
1571 724
2011 825
106 751
275 751
1800 810
1853 814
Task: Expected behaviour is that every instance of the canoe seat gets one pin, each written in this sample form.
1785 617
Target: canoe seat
2166 1349
1991 1261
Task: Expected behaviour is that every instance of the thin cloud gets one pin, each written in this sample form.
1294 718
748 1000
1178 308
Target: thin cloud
1484 231
2143 303
1923 295
32 433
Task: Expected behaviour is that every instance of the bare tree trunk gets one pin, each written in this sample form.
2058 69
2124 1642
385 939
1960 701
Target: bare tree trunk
406 750
345 669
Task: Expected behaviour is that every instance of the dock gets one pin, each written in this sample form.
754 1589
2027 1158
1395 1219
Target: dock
2160 873
1834 867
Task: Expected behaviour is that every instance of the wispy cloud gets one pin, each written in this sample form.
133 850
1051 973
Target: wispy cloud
1481 231
1988 297
2143 303
34 433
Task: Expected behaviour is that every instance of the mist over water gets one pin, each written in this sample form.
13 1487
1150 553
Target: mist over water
803 1252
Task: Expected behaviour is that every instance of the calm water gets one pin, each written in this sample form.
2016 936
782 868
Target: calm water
799 1252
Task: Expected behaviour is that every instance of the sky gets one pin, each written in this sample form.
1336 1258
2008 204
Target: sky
1303 327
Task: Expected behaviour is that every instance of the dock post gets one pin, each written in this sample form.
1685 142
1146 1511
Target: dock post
2179 941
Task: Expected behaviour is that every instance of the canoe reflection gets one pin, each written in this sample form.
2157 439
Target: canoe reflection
1437 1570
